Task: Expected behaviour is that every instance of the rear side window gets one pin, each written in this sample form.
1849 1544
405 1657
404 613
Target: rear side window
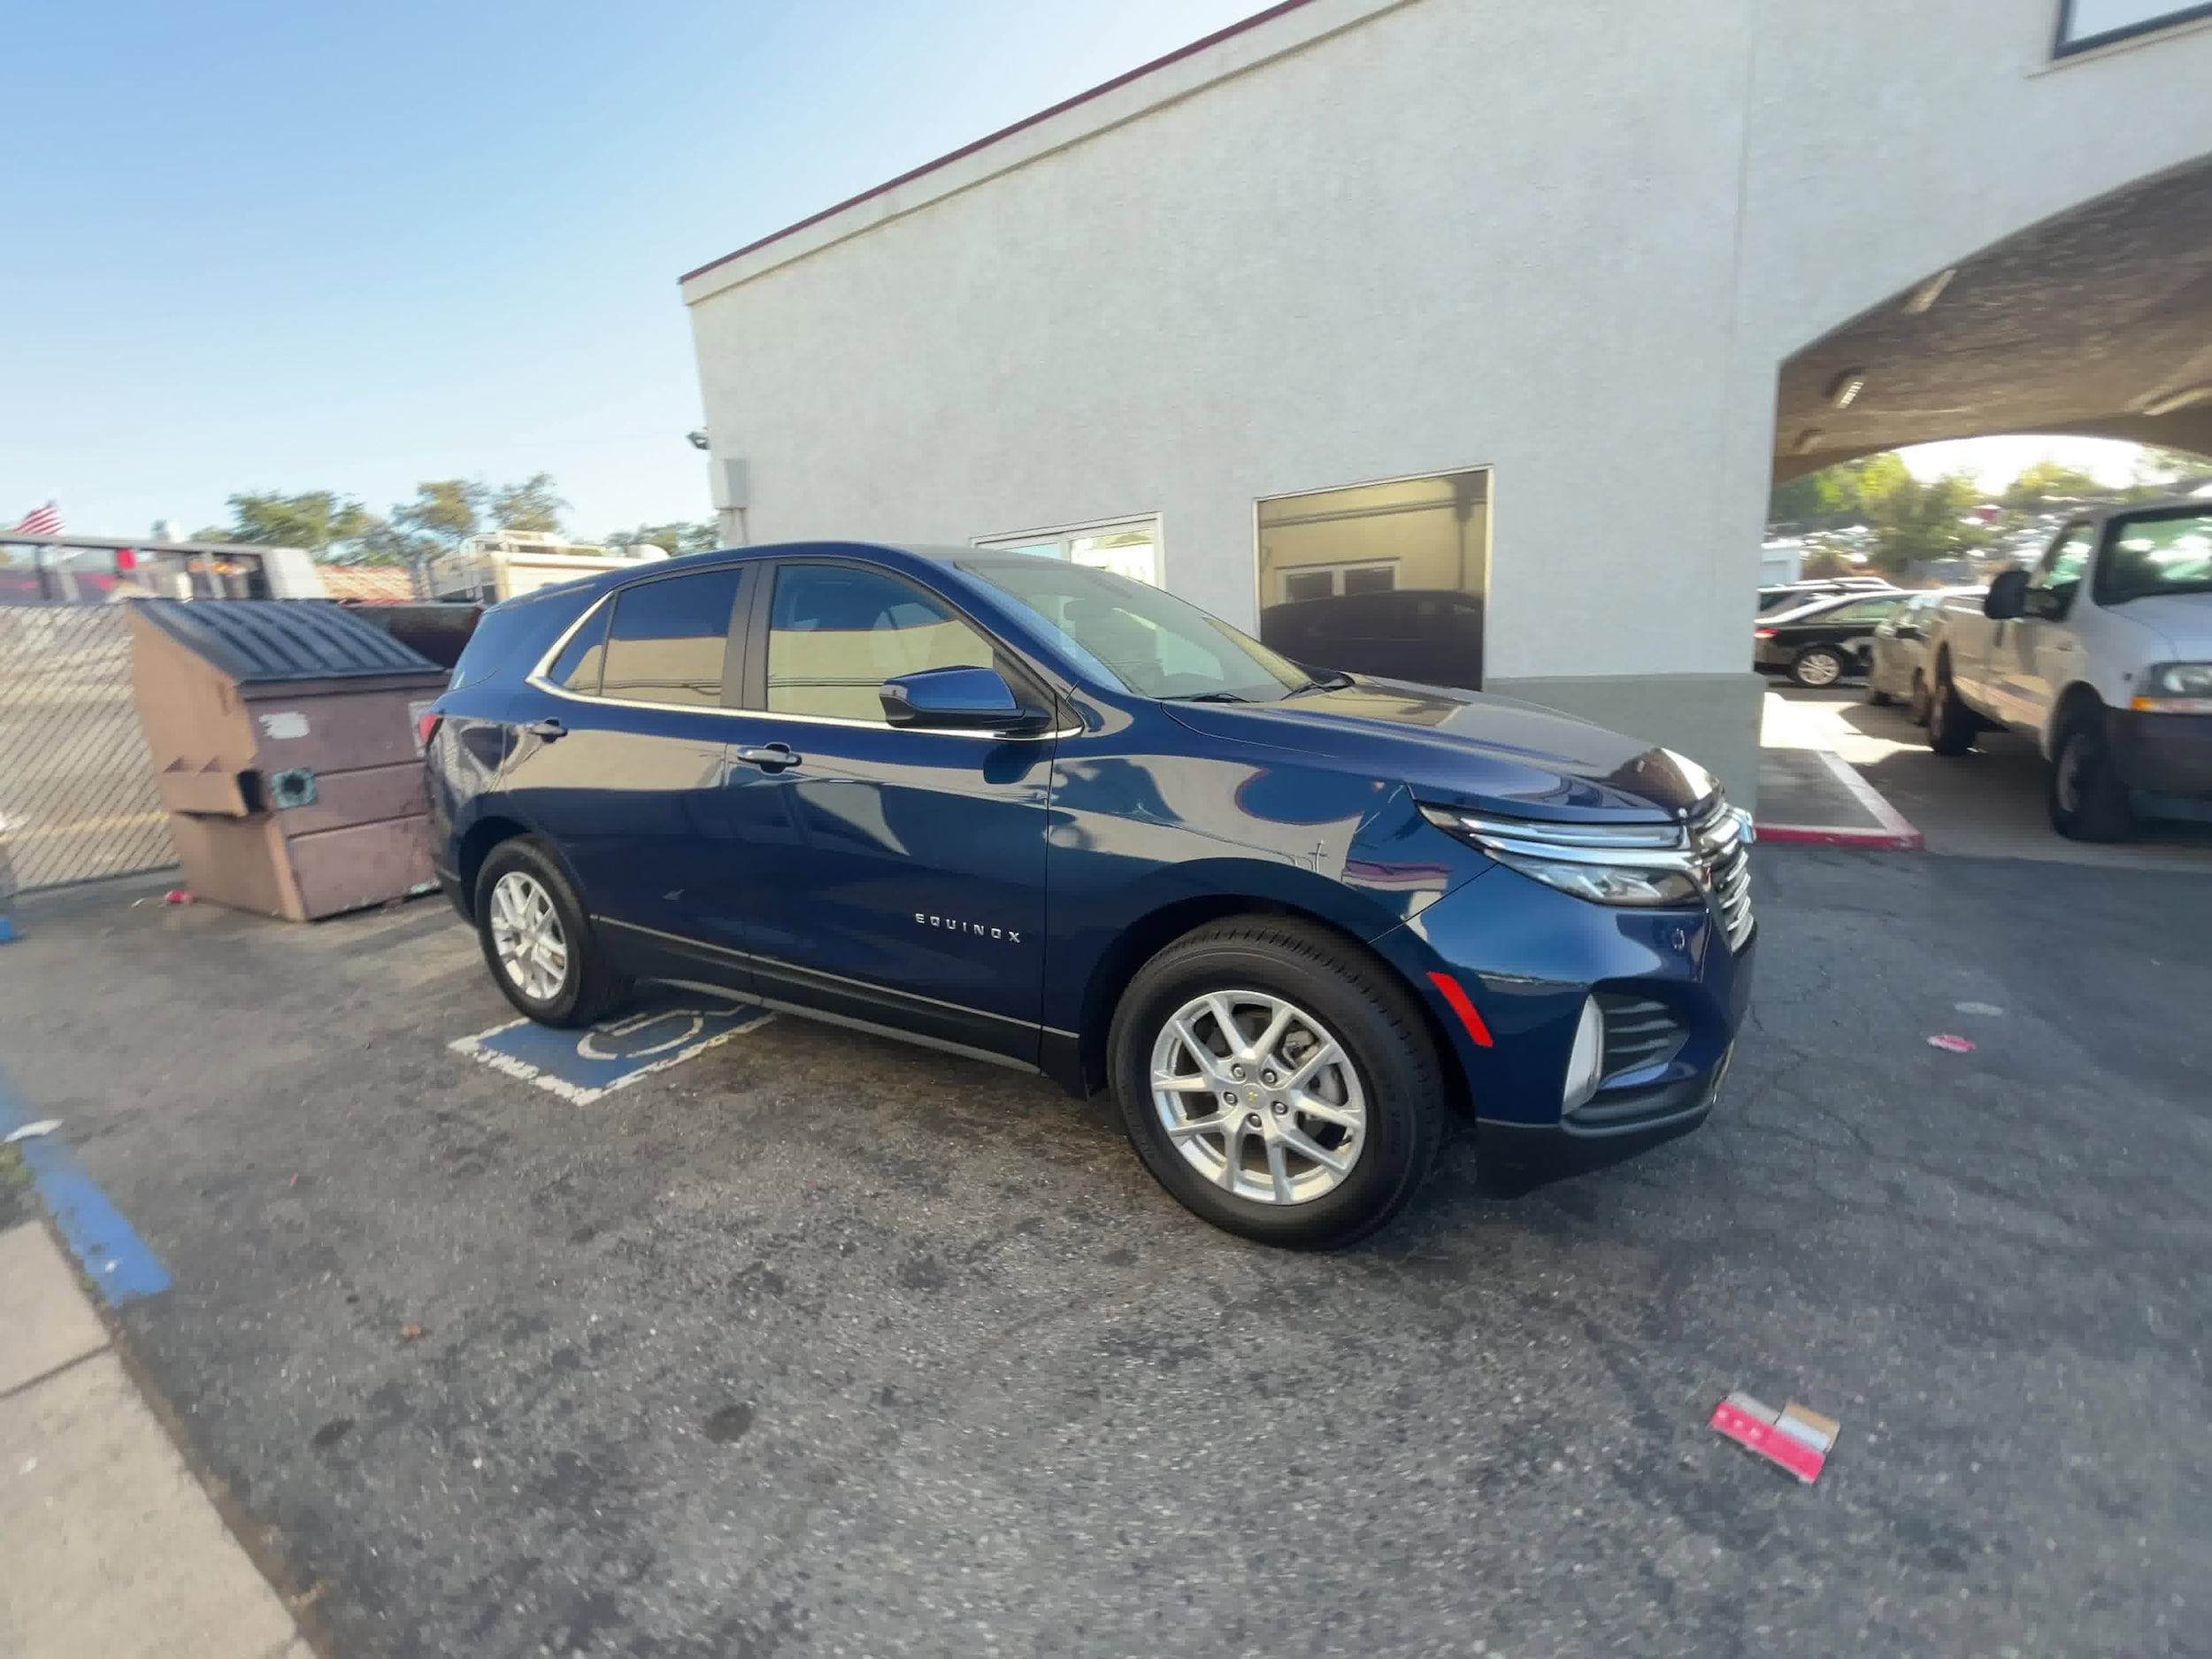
668 640
577 667
507 631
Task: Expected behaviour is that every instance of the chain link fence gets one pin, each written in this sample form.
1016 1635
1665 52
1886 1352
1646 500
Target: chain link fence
77 797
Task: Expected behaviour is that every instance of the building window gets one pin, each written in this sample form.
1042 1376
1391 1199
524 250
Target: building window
1379 578
2085 25
1127 547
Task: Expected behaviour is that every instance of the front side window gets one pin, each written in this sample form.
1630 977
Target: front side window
667 640
1141 638
1864 610
837 633
2170 554
2060 573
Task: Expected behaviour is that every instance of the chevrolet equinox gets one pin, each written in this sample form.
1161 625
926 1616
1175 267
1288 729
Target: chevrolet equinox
1037 813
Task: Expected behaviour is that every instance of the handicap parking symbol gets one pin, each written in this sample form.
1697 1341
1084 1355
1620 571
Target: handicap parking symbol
662 1027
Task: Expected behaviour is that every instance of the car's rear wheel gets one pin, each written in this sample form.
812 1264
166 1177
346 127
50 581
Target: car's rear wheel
1951 723
1918 706
1876 695
1819 666
537 940
2088 799
1277 1081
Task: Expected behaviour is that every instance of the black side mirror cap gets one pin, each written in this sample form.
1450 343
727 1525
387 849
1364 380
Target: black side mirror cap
2006 597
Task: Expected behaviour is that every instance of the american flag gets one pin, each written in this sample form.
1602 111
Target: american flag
42 521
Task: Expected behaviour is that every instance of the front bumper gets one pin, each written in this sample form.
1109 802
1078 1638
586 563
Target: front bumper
2163 754
1528 956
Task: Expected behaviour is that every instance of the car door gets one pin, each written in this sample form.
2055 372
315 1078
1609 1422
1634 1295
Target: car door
622 757
893 875
2033 656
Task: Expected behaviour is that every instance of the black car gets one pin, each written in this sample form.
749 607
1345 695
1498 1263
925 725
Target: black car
1429 634
1822 642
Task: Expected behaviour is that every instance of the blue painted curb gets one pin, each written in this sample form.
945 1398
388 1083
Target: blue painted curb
113 1257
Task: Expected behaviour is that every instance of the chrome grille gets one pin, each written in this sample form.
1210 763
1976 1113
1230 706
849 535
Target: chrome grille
1720 842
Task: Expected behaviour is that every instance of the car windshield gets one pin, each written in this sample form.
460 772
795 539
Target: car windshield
2172 554
1140 638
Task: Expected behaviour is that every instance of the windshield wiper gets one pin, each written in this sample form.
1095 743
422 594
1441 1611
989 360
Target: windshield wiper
1323 682
1214 696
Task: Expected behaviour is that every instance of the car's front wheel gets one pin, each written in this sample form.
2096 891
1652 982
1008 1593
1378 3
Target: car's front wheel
2089 800
537 940
1951 723
1277 1081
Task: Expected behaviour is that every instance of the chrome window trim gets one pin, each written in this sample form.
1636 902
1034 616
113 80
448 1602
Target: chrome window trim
537 680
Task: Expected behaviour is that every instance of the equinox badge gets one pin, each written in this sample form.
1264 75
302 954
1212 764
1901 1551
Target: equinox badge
1012 936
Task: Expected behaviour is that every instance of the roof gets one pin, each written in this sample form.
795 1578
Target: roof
370 584
261 642
1099 91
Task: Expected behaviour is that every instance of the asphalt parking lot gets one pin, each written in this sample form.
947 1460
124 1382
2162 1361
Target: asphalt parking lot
816 1344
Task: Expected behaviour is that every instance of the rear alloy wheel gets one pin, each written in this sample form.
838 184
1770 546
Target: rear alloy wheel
2088 799
1277 1081
1817 667
537 940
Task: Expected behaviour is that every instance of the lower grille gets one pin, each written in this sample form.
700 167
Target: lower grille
1638 1033
1720 840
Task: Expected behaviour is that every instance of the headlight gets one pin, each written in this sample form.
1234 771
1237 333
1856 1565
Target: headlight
2176 688
1643 864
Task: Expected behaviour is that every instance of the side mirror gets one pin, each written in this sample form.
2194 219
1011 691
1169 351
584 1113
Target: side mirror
962 699
2007 596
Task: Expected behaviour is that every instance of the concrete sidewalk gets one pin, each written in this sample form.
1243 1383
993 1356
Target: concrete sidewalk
108 1545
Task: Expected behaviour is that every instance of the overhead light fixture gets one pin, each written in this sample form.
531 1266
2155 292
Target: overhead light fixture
1844 390
1808 440
1923 299
2173 403
697 439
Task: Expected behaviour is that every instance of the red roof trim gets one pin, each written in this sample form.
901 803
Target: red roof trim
1103 87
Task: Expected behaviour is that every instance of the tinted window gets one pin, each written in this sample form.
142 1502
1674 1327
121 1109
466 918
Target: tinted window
577 667
1864 610
836 633
2060 572
502 631
668 638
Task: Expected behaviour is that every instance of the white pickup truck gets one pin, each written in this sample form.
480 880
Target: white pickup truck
2103 651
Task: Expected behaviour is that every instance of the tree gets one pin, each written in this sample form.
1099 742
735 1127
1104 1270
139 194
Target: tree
677 536
530 506
2045 482
1916 519
317 519
446 510
2162 472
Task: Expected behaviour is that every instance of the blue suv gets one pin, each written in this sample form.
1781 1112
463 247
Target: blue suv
1033 813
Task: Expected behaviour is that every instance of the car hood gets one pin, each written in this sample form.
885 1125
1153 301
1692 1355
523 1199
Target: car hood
2185 621
1468 749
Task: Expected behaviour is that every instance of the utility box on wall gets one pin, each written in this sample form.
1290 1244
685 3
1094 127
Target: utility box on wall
283 740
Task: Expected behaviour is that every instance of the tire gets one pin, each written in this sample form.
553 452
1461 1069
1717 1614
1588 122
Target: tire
1819 667
1951 723
584 987
1917 706
2088 799
1334 993
1876 695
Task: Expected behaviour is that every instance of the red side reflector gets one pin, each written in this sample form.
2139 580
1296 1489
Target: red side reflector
1763 633
125 560
1462 1006
426 726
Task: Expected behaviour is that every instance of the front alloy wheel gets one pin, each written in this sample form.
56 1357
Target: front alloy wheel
1258 1096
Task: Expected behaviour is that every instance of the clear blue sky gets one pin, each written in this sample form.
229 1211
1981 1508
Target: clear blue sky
295 247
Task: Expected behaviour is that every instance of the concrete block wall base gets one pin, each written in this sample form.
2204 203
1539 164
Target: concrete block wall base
1713 719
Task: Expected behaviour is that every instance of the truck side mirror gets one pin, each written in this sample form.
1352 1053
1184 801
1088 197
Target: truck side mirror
2006 597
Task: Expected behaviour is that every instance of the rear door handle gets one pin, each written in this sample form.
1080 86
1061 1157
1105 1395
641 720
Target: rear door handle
551 730
774 756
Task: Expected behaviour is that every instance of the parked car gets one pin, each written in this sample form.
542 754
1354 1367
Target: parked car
2103 652
1046 816
1795 596
1897 651
1821 643
1433 636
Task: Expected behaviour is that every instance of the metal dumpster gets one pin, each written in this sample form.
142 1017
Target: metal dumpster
283 734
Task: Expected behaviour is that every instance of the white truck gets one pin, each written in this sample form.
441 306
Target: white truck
2103 652
501 563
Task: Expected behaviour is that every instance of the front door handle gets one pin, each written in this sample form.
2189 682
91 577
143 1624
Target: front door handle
773 757
551 730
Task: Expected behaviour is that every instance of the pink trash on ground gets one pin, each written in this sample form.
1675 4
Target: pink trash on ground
1950 1044
1796 1437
